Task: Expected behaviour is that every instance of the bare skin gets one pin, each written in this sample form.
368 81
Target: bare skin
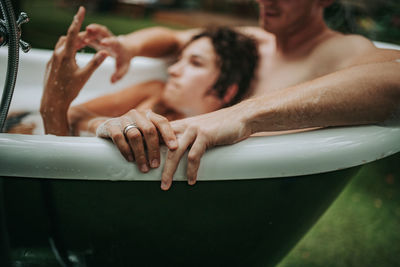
309 76
288 57
62 83
319 103
67 76
109 115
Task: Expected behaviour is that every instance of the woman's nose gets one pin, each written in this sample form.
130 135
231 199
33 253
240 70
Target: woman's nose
175 69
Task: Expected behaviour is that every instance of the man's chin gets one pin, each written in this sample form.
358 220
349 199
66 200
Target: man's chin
269 28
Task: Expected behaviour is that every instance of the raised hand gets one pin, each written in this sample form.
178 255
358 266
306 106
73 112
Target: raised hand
100 38
64 78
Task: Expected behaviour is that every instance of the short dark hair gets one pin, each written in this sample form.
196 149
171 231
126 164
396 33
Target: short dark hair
237 56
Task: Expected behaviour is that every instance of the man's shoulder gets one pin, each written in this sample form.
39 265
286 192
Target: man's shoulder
354 49
341 50
353 41
346 43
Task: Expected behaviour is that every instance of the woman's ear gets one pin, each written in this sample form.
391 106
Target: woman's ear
230 93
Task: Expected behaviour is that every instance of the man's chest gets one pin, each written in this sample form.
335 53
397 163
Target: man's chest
274 74
272 77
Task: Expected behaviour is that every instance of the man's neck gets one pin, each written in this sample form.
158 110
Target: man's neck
301 39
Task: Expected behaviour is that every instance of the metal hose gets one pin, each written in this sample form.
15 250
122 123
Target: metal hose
11 77
13 59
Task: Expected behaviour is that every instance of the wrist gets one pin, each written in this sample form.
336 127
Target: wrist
258 115
128 48
53 108
93 124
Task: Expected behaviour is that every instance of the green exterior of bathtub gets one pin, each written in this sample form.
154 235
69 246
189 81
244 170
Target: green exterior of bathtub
218 223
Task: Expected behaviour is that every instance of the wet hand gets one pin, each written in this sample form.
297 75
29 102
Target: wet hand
100 38
137 130
64 78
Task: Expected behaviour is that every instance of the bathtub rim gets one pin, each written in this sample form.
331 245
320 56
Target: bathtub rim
92 158
333 142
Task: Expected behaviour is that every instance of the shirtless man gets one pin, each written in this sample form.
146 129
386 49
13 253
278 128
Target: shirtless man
309 76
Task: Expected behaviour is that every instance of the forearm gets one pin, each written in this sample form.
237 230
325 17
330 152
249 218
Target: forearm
54 116
155 42
83 122
359 95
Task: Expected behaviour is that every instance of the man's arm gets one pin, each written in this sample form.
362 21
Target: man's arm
363 94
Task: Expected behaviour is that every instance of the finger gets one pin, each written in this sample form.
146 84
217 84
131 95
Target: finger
58 52
95 42
119 140
150 134
173 158
196 152
94 63
98 31
179 126
111 42
120 72
164 128
81 40
60 42
135 140
112 45
73 31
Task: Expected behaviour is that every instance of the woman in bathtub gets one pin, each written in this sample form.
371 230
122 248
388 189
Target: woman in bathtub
199 82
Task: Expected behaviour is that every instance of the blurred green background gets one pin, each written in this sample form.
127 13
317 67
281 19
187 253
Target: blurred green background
362 227
376 19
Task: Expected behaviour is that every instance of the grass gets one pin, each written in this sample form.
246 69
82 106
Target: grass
361 228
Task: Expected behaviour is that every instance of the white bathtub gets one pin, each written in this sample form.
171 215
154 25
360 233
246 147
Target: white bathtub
257 157
252 203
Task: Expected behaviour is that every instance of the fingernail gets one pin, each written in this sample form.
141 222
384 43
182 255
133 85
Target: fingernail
154 163
144 168
130 158
164 185
191 181
100 57
172 143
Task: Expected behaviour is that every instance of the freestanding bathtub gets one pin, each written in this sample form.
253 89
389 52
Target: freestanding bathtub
74 201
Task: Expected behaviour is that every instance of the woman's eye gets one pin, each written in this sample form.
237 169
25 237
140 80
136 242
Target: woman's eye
196 63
